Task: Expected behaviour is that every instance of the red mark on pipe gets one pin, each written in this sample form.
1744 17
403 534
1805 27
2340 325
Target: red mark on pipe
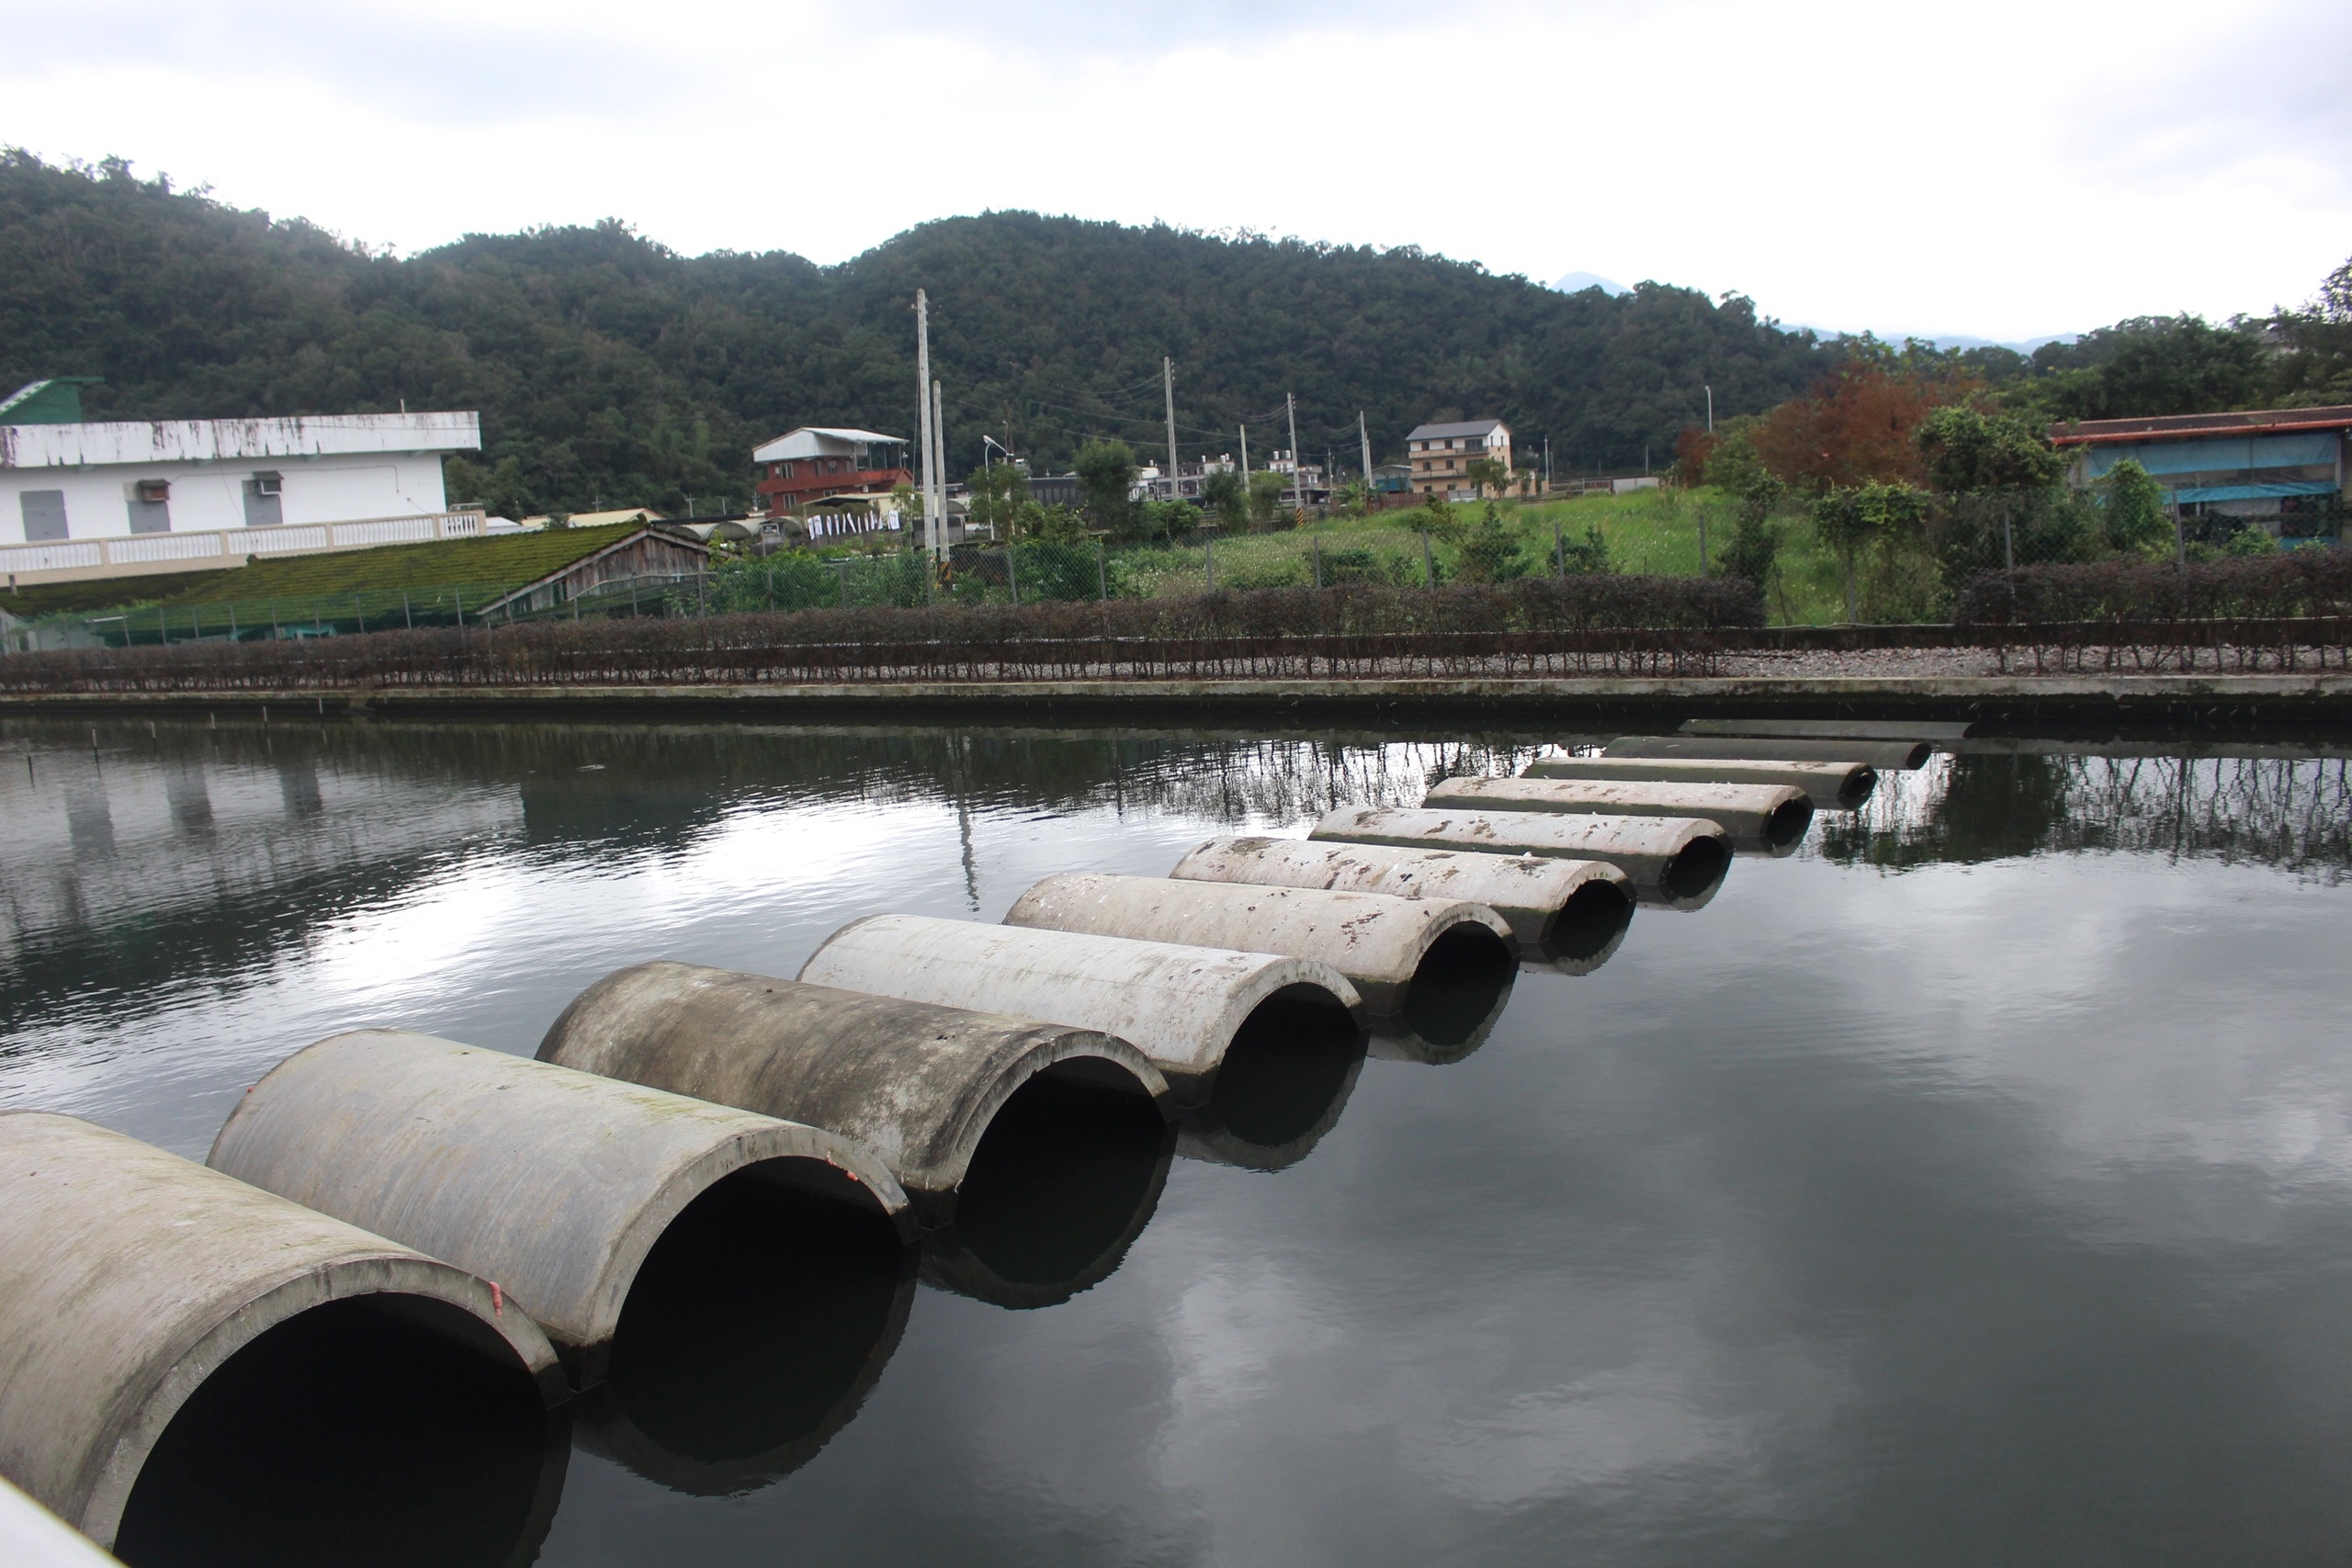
497 1300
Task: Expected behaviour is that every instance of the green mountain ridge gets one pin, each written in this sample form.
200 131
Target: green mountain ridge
611 370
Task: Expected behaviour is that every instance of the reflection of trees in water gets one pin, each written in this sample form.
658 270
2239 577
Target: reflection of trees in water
2292 813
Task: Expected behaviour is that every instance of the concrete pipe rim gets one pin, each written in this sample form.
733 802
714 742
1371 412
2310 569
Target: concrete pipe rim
1857 787
1589 922
1697 867
1088 1056
273 1307
1786 823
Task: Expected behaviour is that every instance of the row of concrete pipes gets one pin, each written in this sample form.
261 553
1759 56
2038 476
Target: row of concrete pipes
509 1207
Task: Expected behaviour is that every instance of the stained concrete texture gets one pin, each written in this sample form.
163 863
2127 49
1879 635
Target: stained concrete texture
1180 1006
1673 861
554 1183
1831 786
1768 817
32 1536
130 1276
1898 754
917 1084
1530 892
1906 730
1382 943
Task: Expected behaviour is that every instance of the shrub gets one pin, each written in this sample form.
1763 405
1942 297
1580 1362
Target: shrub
1491 554
1588 555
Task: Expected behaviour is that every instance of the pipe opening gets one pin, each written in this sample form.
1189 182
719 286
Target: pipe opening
1589 923
1059 1178
1856 787
359 1432
1289 1061
1697 867
1461 981
1787 824
758 1315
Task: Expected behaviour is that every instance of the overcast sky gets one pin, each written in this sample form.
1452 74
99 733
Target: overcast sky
2005 170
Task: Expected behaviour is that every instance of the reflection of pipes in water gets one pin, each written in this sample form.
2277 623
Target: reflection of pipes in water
1458 994
1065 1179
353 1434
753 1332
1284 1083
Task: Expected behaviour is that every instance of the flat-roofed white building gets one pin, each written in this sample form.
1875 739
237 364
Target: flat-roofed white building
85 500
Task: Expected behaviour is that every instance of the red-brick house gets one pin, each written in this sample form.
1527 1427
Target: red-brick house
813 462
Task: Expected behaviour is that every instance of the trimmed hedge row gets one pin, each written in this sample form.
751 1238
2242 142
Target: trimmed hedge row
2254 612
1599 625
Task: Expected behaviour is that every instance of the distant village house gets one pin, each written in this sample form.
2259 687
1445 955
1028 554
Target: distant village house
1441 454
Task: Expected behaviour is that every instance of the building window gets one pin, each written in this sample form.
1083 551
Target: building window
265 500
45 515
150 506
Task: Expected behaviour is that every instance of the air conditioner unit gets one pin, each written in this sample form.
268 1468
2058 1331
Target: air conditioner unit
268 481
154 491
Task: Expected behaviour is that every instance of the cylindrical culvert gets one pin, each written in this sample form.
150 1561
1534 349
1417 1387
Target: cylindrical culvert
1183 1006
131 1278
917 1084
1672 861
1532 893
555 1183
1831 786
1910 731
1394 950
1902 755
1771 818
755 1329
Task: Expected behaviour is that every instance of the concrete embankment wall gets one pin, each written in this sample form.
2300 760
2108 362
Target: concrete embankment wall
1529 891
553 1183
916 1083
1183 1006
128 1276
1381 942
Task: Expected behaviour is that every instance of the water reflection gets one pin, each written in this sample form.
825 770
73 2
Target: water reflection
350 1434
750 1336
1065 1178
1284 1083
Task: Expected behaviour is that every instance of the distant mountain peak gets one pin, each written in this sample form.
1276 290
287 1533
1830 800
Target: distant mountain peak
1577 282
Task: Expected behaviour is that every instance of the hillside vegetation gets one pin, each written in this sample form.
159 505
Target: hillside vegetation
608 369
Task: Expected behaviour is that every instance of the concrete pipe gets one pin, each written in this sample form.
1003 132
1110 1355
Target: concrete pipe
1270 1114
1772 818
750 1338
1829 728
917 1084
1898 754
1408 957
1553 906
130 1277
1184 1008
32 1536
555 1183
1831 786
1674 861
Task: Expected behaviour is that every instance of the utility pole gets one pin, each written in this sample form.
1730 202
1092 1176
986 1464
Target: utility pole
1297 478
931 530
1547 465
1167 384
939 449
1711 411
1245 459
1364 436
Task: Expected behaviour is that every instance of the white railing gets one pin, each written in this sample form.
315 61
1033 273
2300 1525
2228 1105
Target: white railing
66 559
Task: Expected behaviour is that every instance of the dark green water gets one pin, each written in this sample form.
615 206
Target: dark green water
1972 1186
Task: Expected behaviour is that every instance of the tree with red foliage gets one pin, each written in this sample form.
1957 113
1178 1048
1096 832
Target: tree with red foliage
1855 427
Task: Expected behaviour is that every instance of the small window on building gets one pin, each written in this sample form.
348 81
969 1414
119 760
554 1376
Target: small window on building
45 515
150 506
265 503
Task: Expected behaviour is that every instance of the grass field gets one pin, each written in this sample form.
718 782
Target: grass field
508 558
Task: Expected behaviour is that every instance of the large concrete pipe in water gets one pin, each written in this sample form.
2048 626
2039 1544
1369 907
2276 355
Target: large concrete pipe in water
1904 731
139 1289
32 1536
1898 754
1771 818
1442 966
1557 908
918 1085
754 1332
556 1184
1676 861
1187 1009
1831 786
1269 1113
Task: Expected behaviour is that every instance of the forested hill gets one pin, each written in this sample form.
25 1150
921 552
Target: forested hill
607 368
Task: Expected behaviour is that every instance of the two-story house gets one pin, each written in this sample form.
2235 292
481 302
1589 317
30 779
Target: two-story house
1441 454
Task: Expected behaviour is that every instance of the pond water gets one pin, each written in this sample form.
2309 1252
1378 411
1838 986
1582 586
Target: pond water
1973 1185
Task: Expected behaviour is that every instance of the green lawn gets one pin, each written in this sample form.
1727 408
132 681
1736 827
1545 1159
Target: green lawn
507 559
